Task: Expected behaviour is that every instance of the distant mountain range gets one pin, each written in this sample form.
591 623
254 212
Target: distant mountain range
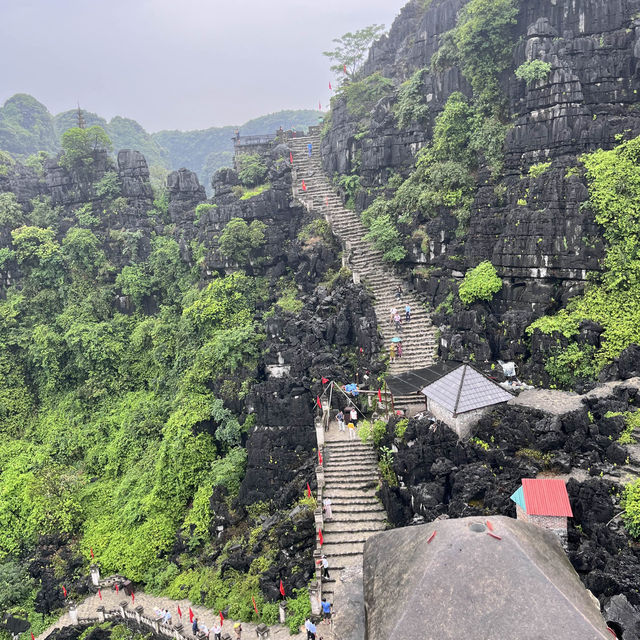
27 126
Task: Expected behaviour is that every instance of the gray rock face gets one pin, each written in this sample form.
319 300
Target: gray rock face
534 230
511 581
623 618
134 175
185 193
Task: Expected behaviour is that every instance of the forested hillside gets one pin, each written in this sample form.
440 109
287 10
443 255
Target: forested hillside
135 333
27 127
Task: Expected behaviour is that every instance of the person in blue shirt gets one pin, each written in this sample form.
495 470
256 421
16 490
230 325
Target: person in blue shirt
326 609
309 148
194 626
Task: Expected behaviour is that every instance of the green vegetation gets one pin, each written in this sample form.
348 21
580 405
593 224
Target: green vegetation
411 105
386 238
11 214
572 364
352 49
385 464
251 169
240 240
484 37
631 504
612 299
81 145
536 170
256 191
374 432
363 95
480 283
533 71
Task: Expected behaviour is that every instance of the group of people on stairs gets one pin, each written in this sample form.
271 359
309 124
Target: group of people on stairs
395 348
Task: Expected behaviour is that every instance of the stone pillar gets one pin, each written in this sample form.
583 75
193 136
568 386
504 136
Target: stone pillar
319 520
282 611
356 277
317 560
314 596
262 632
101 615
95 575
123 609
319 432
73 612
177 631
139 611
155 625
320 476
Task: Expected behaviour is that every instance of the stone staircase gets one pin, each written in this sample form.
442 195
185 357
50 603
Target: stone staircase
351 480
419 341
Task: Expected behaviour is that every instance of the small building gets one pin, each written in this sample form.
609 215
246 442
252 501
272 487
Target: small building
460 397
545 503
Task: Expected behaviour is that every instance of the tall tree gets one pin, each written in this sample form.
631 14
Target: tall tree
352 49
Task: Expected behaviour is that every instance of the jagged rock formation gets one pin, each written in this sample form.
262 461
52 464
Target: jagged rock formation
418 335
535 230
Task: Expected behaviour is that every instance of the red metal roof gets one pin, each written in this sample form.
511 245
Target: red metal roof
546 497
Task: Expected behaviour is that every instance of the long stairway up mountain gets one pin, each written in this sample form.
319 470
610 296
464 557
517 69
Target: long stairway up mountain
419 342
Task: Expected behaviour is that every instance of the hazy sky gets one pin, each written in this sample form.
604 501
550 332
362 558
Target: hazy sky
177 64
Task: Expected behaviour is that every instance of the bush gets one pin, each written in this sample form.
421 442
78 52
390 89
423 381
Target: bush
480 283
251 169
485 40
411 105
363 95
536 170
631 504
533 71
239 240
108 186
572 364
385 237
10 210
81 145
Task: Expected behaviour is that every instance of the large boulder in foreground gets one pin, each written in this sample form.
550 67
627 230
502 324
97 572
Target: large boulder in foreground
467 581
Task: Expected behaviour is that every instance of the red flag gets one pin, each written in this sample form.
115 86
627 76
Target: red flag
326 200
320 537
318 402
32 636
221 618
304 186
133 598
117 587
379 395
190 615
281 589
325 380
308 490
319 106
99 594
320 457
179 612
330 87
290 157
344 66
64 592
91 552
255 608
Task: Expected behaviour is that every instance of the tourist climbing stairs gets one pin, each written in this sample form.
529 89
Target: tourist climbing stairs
419 341
351 481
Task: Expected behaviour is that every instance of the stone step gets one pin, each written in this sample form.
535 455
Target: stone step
356 504
347 537
350 515
351 526
336 493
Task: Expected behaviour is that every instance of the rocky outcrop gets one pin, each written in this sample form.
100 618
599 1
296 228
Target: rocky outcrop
134 175
535 230
185 193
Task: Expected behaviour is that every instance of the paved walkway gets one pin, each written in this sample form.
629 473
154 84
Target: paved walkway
111 600
419 335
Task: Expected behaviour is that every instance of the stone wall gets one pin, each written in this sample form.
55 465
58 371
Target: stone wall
462 423
555 524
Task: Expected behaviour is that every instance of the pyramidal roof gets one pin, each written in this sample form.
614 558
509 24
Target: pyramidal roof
465 389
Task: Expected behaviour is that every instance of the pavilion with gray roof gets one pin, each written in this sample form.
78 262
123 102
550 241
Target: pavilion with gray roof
461 396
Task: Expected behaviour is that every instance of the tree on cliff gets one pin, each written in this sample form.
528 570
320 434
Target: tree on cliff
80 145
352 49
